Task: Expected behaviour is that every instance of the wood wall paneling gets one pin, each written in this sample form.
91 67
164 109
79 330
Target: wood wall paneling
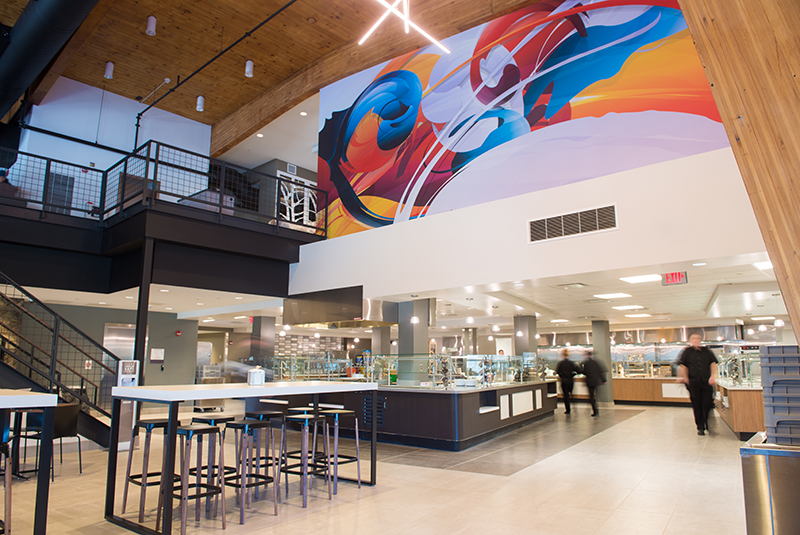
749 51
10 10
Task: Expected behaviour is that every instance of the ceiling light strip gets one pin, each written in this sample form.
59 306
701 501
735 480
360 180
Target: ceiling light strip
393 9
380 20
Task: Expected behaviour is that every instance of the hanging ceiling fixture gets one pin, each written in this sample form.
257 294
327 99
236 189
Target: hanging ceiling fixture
109 74
248 68
391 9
201 103
151 25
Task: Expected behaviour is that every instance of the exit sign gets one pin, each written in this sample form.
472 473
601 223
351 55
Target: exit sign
676 277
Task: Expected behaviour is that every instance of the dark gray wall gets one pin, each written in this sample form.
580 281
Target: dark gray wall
273 166
239 350
180 352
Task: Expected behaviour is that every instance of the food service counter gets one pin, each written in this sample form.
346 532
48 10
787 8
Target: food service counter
452 419
649 390
742 408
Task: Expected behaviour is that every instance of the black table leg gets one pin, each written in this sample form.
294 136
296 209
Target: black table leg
113 451
43 477
172 435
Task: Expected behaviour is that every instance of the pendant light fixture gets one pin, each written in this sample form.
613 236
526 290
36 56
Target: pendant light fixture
151 25
109 74
201 103
248 68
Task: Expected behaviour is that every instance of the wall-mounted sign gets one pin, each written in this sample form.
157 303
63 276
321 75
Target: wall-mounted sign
676 277
156 355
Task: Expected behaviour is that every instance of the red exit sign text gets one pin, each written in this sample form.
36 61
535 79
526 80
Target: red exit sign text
676 277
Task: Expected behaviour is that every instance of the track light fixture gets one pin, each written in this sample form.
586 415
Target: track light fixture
151 26
201 103
248 68
109 74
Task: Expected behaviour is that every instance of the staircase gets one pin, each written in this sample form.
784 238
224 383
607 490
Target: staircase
41 350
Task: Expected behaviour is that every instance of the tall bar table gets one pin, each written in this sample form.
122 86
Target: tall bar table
19 399
174 395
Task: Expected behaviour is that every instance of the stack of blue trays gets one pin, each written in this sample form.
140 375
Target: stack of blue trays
780 377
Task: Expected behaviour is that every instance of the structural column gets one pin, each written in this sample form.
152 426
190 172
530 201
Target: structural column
381 340
412 326
262 342
470 341
601 344
524 339
140 343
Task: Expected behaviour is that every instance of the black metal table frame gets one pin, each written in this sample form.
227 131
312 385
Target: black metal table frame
45 456
113 451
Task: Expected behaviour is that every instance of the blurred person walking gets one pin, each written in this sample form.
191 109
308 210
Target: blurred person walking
595 376
697 369
566 370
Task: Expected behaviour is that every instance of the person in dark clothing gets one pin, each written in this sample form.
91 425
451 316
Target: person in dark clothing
595 376
566 370
697 369
6 188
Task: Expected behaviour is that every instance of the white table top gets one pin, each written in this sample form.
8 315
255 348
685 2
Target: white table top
236 390
22 399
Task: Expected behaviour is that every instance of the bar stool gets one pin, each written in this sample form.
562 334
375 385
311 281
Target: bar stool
142 479
201 490
5 451
210 468
335 414
305 420
244 479
265 415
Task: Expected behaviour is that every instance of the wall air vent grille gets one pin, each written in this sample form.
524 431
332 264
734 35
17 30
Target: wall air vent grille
574 223
291 168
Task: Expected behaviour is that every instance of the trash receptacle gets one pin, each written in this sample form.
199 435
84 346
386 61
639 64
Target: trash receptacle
771 475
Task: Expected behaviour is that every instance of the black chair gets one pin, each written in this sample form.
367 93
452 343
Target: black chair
65 425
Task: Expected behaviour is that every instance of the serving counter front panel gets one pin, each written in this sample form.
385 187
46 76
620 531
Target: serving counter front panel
650 390
742 408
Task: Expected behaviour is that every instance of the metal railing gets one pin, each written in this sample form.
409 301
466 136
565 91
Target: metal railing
52 352
160 173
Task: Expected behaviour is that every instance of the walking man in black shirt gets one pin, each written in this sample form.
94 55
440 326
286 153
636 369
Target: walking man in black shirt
697 368
566 370
595 376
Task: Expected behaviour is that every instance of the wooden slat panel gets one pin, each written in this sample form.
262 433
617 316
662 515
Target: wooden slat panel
10 11
749 50
440 18
46 81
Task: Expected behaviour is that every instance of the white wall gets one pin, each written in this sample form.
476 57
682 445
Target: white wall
695 207
94 115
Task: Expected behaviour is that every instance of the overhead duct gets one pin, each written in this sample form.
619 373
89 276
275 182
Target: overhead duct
39 33
338 309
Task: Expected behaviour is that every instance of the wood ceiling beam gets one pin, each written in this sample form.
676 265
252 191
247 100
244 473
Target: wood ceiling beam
44 83
749 51
440 18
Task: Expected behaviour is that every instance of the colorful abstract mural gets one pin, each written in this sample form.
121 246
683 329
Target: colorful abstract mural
556 93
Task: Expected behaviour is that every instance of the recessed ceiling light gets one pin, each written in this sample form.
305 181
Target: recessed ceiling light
128 297
641 278
559 321
238 297
763 265
303 113
698 264
519 284
209 319
414 295
612 296
101 303
368 331
470 320
165 291
240 317
200 304
169 308
763 318
628 307
637 315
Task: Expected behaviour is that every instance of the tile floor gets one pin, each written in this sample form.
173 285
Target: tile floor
636 470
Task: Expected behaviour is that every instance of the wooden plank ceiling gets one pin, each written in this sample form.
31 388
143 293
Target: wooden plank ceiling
749 50
310 45
10 11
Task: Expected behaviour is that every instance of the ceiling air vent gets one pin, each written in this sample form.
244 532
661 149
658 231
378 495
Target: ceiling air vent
574 223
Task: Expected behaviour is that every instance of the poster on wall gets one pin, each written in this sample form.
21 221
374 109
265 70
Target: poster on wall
556 93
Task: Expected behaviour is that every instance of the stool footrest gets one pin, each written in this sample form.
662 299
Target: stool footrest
204 470
195 493
136 479
261 480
